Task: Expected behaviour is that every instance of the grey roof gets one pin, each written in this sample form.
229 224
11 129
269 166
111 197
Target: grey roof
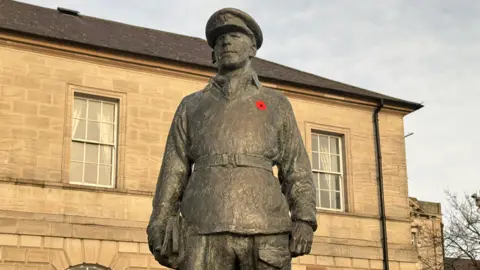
100 34
424 207
459 264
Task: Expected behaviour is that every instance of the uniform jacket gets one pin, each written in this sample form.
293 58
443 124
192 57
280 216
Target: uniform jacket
252 121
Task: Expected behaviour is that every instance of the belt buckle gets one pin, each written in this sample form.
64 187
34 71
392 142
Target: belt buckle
235 160
225 160
229 160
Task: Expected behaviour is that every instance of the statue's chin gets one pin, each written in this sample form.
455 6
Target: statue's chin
231 65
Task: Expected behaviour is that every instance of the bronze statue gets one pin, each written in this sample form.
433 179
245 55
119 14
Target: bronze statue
217 204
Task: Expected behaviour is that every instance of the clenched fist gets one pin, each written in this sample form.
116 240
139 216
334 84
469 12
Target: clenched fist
166 244
301 239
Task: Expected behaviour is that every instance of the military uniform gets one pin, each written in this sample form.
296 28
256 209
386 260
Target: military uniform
217 172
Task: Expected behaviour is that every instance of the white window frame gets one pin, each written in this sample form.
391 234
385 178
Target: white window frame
414 238
102 100
340 174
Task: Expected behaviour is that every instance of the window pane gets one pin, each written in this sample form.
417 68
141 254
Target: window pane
90 173
105 175
106 155
76 172
314 142
334 145
93 132
323 144
339 200
335 181
78 129
325 199
76 152
94 110
108 111
315 161
79 108
324 181
107 133
335 200
91 153
335 163
324 162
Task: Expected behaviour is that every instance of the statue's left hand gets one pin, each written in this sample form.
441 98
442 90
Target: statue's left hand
301 239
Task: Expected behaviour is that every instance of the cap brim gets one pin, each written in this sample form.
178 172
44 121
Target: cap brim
226 28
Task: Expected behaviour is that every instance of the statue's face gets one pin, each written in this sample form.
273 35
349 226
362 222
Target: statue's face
233 50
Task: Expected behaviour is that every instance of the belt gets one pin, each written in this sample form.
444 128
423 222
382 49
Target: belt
233 160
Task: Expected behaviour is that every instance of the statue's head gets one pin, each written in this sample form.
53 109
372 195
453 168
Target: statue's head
234 37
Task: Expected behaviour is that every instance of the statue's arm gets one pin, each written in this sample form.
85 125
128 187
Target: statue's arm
294 171
174 172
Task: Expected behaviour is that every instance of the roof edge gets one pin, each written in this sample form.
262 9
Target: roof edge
410 106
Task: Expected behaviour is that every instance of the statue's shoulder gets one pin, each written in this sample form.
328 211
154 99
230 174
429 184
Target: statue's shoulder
278 97
198 94
191 97
192 100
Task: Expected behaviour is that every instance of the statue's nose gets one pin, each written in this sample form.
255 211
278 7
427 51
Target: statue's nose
227 40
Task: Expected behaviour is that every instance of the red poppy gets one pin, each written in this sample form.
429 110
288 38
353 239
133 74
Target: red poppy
261 105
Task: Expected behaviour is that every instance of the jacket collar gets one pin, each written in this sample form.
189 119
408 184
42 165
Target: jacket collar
222 83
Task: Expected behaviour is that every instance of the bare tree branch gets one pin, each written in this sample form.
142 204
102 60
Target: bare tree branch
461 236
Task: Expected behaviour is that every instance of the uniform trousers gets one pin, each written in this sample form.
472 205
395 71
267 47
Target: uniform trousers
228 251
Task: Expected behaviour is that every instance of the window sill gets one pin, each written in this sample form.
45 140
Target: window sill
357 215
48 184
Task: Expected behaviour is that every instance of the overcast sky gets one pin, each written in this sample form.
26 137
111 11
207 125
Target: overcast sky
423 51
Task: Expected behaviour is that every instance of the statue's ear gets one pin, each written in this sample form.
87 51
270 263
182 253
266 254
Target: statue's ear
253 51
213 57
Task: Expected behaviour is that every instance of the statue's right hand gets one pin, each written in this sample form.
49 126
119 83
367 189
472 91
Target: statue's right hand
155 239
156 236
160 243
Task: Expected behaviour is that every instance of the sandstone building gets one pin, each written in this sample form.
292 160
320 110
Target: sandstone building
427 234
85 107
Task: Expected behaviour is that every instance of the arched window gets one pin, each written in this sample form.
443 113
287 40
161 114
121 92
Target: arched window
86 266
